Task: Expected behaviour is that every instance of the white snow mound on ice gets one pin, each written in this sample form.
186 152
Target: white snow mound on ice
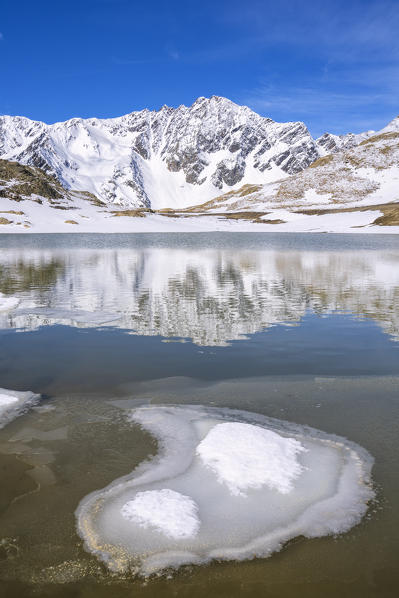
167 511
244 456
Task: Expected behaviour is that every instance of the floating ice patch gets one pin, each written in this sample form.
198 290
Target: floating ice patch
225 485
167 511
245 456
7 400
8 303
40 315
12 403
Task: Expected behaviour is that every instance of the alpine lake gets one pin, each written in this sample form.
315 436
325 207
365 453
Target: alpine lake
303 328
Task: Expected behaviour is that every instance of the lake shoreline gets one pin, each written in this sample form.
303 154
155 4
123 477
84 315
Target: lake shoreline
355 223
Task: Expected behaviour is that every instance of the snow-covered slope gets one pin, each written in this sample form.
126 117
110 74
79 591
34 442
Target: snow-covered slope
392 127
165 158
365 175
29 194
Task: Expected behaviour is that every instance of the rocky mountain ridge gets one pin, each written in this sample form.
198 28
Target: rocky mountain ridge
361 175
172 157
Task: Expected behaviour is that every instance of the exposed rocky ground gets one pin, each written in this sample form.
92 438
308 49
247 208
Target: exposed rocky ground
22 185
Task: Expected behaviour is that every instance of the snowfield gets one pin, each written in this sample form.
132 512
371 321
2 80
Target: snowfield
89 220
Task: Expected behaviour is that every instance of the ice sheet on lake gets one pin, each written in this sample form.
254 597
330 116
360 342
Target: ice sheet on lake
12 403
291 480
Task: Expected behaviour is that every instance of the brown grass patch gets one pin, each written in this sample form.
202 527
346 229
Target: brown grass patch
213 203
390 216
241 215
61 207
12 212
321 161
93 199
390 212
255 217
130 213
277 221
381 137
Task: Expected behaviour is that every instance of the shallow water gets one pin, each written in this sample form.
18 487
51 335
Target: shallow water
302 328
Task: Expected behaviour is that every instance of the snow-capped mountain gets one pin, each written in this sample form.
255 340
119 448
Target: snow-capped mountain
213 159
172 157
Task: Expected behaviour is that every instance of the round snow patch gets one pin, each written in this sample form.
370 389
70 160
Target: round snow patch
245 456
169 512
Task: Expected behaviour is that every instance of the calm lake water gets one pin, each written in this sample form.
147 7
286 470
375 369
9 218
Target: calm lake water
303 328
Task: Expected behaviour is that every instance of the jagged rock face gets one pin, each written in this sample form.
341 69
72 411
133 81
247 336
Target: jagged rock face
18 182
330 144
366 174
165 158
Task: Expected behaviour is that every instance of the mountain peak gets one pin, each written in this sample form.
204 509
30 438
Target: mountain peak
215 101
391 127
171 157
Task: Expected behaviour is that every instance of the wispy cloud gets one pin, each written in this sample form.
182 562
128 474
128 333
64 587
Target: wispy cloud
173 53
338 109
334 28
347 59
1 36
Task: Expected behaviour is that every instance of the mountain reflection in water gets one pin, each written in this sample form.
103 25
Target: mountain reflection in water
211 296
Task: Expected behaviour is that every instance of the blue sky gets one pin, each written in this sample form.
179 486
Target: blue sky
333 64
